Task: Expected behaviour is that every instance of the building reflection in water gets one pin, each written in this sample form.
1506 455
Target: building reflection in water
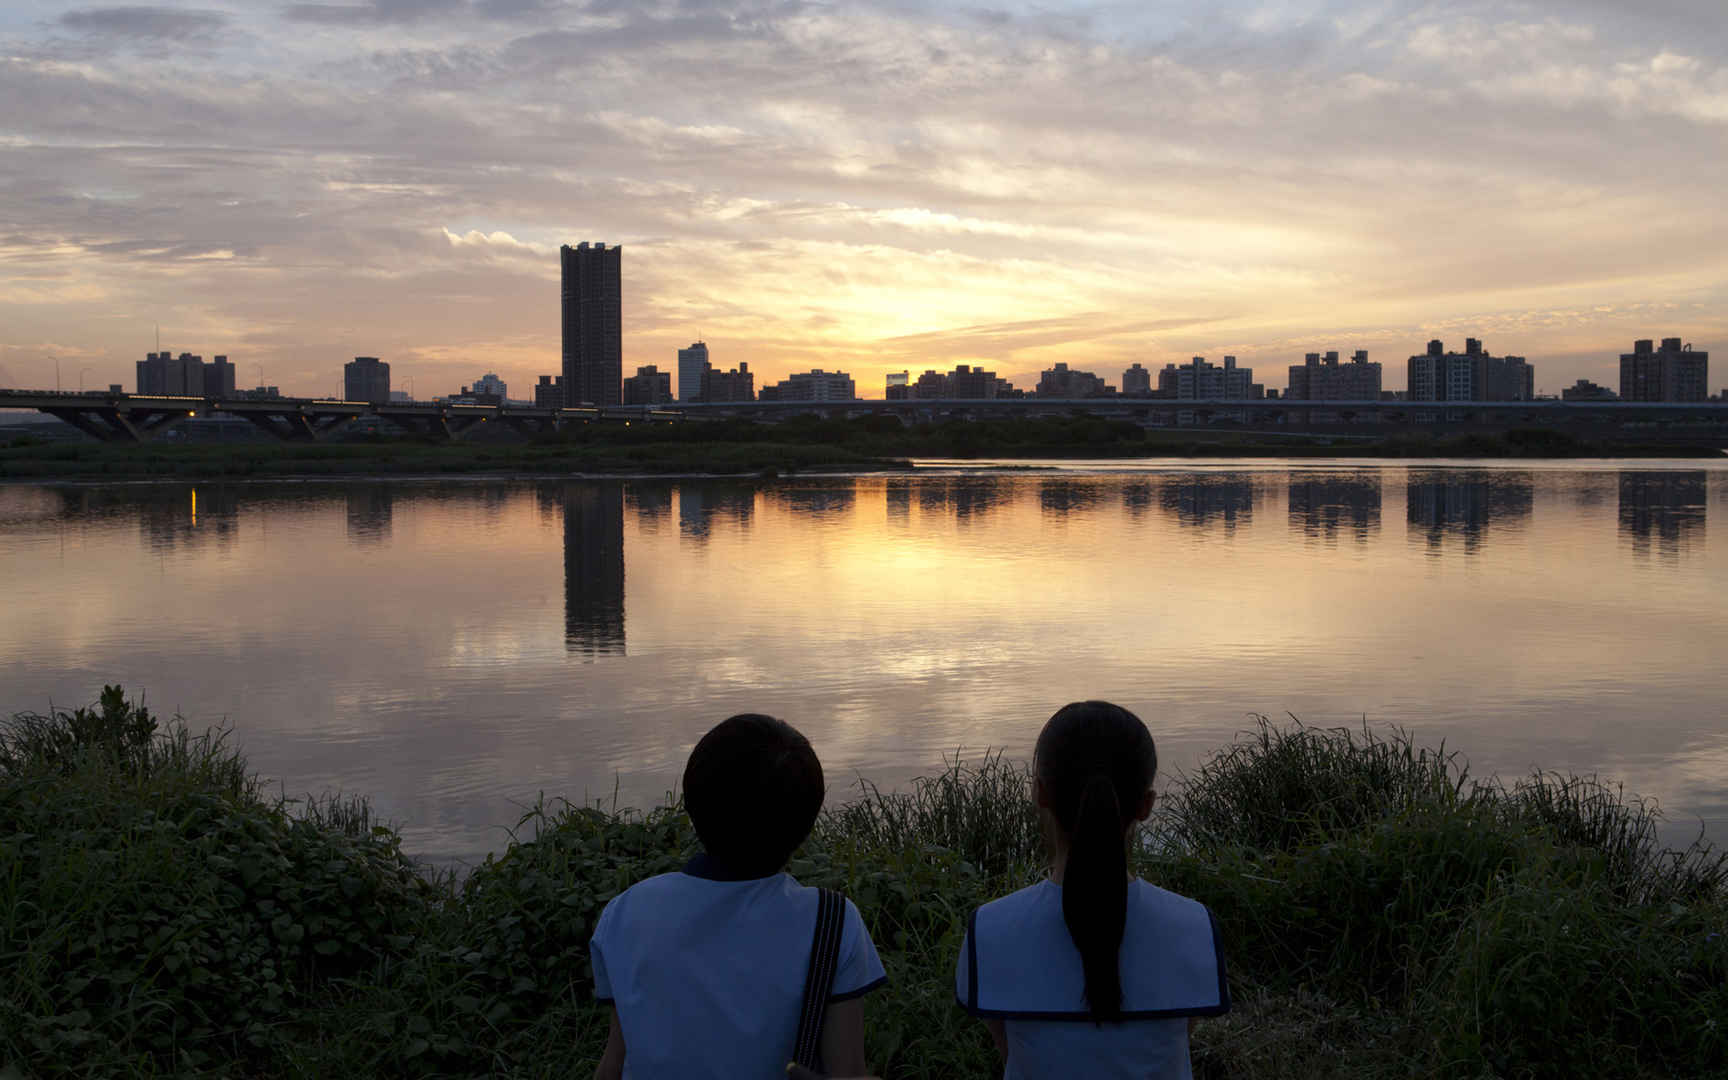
834 499
966 498
1322 507
701 502
1137 498
370 510
1204 501
1064 497
594 568
899 496
1667 508
651 502
1464 510
173 517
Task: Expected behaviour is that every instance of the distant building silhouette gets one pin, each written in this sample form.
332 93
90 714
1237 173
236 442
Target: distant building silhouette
692 366
897 386
549 392
594 568
1473 375
1671 373
1200 379
1137 382
593 323
735 385
1585 390
965 382
174 376
649 386
366 378
1328 380
219 378
1060 381
817 385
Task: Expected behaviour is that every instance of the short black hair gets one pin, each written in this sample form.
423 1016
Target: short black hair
753 788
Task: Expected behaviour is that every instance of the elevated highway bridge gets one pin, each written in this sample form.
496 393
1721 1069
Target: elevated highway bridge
138 417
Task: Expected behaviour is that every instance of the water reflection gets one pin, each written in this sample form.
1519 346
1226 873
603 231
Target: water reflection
816 502
1322 507
1064 497
594 569
1665 507
1204 501
1448 509
701 503
172 518
371 507
651 503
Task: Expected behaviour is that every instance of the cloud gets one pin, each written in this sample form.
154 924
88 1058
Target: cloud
871 183
145 23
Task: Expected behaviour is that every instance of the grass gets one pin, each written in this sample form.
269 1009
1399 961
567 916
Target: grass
1386 915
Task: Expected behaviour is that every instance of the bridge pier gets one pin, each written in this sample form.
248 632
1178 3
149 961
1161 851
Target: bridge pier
111 424
294 426
436 427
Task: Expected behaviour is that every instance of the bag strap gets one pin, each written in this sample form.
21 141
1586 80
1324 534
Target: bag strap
819 980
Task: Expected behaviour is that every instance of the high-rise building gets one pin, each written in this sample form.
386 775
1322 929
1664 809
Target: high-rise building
964 383
366 378
1473 375
491 385
549 392
692 365
219 378
898 386
1061 382
170 375
1137 382
735 385
1201 380
1671 373
1328 380
817 385
649 386
593 323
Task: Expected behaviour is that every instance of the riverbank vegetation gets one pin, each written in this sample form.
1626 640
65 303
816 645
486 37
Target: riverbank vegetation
1385 914
802 443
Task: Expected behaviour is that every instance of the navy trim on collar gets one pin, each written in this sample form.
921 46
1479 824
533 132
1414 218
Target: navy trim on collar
707 867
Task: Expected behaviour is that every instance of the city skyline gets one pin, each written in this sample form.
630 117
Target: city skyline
290 185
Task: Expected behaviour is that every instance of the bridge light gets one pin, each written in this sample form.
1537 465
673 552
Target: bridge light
191 412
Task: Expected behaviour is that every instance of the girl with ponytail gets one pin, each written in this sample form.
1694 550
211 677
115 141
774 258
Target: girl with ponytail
1092 972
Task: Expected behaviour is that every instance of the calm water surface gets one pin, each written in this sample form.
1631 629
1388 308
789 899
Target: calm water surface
453 648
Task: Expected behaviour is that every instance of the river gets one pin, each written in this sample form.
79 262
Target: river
454 648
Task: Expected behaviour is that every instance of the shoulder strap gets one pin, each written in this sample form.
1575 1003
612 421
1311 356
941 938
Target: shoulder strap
819 980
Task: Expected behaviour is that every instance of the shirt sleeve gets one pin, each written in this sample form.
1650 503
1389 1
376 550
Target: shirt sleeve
597 954
860 969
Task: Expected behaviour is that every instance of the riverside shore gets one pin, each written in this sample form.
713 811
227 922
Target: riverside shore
805 444
1384 915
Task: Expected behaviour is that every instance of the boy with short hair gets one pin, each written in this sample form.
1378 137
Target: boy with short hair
705 968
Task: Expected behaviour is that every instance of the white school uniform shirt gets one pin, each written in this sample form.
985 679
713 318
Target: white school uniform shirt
1019 965
707 972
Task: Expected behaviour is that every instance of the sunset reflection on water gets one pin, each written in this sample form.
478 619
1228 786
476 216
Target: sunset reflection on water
454 648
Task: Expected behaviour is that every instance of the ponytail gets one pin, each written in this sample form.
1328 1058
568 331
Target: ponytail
1096 762
1095 894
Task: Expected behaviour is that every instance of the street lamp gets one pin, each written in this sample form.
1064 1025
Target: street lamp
56 360
81 372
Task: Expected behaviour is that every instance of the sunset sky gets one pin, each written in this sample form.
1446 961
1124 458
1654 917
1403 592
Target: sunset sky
863 186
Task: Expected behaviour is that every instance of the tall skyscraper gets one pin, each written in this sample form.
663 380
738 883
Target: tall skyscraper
593 317
366 379
692 365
